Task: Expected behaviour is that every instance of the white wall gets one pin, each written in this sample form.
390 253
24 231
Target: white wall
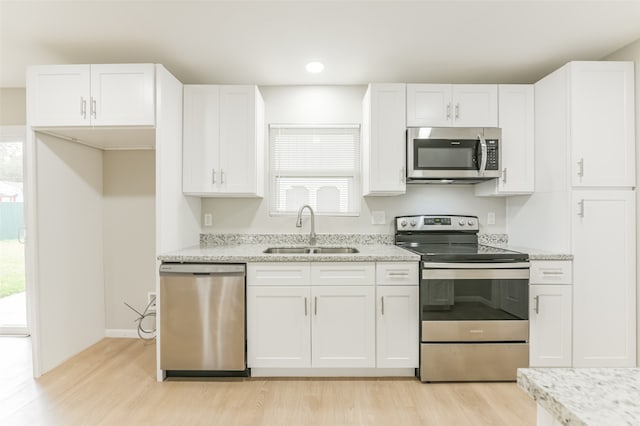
341 105
631 52
69 281
129 234
13 110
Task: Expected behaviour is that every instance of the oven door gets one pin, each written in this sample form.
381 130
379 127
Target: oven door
474 321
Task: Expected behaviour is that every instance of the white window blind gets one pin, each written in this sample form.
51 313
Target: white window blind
315 165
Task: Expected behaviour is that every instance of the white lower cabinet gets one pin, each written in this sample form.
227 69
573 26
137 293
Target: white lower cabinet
278 326
550 326
397 320
343 326
550 315
332 315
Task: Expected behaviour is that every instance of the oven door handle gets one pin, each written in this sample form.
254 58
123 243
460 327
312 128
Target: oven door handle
475 274
443 265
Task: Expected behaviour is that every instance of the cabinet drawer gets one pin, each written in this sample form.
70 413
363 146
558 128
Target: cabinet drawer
279 273
343 273
551 272
397 273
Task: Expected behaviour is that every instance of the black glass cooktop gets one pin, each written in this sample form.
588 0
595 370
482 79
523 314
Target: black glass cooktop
464 253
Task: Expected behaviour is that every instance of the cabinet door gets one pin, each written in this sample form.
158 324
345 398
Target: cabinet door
343 326
239 163
429 105
397 326
475 105
515 118
123 95
602 124
550 325
201 139
604 274
384 136
58 95
278 327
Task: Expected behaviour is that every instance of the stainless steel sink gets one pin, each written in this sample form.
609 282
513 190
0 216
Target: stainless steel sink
311 250
288 250
334 250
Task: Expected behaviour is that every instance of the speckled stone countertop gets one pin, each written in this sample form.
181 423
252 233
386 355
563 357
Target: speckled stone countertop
536 254
240 248
585 396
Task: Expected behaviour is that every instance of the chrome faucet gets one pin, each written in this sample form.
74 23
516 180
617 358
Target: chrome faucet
312 232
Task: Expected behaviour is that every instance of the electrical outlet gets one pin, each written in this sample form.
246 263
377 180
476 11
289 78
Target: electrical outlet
208 219
491 218
151 300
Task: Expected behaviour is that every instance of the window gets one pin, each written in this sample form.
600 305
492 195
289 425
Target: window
315 165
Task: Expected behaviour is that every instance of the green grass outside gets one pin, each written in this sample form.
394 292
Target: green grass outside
11 267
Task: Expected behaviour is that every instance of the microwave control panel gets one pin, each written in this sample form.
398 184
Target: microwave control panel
492 154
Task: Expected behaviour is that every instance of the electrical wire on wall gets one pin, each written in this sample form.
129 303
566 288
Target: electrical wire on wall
145 333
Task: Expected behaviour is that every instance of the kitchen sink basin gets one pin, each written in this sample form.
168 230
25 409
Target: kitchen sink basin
334 250
311 250
288 250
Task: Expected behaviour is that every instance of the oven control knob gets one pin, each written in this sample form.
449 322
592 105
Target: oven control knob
413 223
403 223
461 223
471 223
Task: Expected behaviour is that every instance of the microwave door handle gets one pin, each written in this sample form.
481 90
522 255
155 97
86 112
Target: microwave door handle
483 155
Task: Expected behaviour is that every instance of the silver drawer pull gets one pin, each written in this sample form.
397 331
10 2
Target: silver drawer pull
552 273
476 331
398 274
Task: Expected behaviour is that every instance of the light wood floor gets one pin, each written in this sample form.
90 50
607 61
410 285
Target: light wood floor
113 383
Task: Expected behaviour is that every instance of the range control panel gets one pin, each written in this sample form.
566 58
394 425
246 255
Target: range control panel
437 223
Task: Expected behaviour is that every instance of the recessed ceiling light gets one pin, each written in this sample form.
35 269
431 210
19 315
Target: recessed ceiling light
315 67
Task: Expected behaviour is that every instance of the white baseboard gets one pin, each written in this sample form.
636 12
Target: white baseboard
333 372
126 333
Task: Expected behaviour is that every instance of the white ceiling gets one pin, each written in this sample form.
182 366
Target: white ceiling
269 42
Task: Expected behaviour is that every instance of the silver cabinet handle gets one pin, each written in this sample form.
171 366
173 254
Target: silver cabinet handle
83 107
581 208
448 110
504 175
93 107
581 167
398 274
213 175
402 175
457 111
221 176
305 307
382 302
315 305
537 299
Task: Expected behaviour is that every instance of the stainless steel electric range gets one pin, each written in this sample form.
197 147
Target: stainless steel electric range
474 300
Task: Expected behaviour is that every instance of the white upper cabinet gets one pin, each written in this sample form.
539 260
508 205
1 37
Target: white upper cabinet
457 105
516 119
383 140
91 95
602 124
223 141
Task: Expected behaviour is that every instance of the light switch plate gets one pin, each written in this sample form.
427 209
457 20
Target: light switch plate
378 217
491 218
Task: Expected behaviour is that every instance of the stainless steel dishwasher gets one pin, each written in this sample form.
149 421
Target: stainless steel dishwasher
202 319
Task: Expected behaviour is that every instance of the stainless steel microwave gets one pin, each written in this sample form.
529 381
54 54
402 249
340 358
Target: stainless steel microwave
453 154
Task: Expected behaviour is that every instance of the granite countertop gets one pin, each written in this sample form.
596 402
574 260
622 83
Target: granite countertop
585 396
237 248
537 254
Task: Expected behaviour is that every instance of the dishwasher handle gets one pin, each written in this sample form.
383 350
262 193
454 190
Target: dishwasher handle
202 268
